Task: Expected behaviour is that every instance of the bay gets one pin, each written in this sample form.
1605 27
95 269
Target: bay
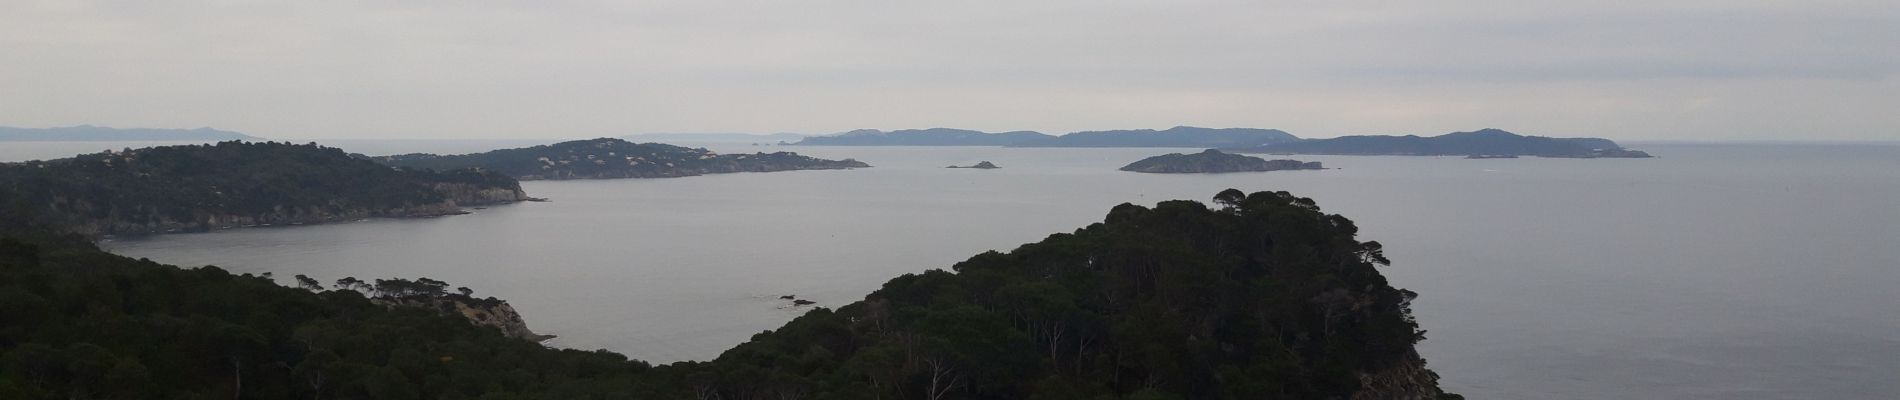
1712 271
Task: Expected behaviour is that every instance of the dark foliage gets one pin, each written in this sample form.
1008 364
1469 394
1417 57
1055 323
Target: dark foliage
78 323
197 187
1264 297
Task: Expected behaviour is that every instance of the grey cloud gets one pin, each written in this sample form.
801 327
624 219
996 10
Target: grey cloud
1665 70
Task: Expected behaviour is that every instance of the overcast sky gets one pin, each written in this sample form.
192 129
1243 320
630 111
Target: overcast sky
1693 70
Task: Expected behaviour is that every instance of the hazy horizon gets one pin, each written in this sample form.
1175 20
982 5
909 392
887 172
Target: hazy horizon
763 135
1701 70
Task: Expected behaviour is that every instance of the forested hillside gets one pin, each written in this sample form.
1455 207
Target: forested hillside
1264 296
199 187
78 323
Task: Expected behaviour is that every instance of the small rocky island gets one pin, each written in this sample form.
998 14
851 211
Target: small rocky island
1213 161
608 158
979 165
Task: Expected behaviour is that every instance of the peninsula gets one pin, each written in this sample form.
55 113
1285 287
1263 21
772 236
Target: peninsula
608 158
1213 161
190 188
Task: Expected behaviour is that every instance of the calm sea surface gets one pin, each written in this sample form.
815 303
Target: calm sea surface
1713 271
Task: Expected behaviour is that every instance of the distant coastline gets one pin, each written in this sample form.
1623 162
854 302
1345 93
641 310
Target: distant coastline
90 133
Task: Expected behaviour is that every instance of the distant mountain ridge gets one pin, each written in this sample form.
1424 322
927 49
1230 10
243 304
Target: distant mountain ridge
1483 142
923 137
1179 136
102 133
715 137
609 158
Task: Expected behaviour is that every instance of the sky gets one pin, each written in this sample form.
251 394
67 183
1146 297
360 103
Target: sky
1627 70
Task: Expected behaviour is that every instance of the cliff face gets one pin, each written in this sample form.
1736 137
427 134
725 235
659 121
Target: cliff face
463 194
499 316
490 313
1406 379
206 221
456 195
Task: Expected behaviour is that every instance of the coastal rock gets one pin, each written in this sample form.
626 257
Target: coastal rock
488 312
1406 379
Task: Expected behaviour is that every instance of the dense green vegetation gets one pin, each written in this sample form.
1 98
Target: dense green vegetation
1263 297
607 158
1266 297
1484 142
78 323
1213 161
198 187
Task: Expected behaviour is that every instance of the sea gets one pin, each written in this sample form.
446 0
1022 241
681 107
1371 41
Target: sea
1713 271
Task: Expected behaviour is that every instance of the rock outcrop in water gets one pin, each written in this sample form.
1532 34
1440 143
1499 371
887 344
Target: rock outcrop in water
1213 161
608 158
979 165
195 188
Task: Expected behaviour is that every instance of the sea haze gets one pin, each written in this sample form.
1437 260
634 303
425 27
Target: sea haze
1712 271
